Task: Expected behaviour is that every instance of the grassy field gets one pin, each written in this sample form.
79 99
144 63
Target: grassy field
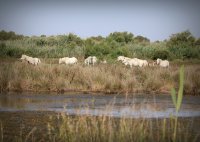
109 78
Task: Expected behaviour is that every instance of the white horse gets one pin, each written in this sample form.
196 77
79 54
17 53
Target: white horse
134 62
68 61
162 63
90 60
31 60
120 58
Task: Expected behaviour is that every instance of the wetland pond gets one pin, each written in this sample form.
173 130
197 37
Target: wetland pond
25 111
132 106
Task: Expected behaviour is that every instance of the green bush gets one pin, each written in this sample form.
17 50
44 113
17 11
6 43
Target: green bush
120 51
162 54
9 35
185 53
41 42
10 51
3 49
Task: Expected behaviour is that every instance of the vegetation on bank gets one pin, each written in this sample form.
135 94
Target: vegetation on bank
115 77
179 46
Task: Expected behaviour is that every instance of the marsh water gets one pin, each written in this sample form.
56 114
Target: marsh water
19 113
116 105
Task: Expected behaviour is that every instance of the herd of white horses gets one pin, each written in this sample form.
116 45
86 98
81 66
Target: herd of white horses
92 60
142 63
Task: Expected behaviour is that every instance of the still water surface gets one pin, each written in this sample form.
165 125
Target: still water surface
132 106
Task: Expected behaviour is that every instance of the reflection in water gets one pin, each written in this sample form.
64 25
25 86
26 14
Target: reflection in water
148 106
9 102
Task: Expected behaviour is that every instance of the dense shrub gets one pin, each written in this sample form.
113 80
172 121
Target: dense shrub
121 37
185 53
10 51
162 54
141 39
9 35
181 40
179 46
41 42
184 45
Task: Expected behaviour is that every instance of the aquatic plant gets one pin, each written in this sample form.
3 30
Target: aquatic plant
178 100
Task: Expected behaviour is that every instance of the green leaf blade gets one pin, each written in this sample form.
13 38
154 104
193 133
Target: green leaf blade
180 91
173 94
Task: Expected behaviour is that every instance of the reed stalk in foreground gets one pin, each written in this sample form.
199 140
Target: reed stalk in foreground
177 100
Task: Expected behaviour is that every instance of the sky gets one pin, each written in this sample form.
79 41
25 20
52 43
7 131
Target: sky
154 19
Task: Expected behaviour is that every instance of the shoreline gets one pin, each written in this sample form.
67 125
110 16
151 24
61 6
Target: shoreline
93 92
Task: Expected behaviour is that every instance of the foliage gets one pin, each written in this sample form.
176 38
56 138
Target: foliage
179 46
9 35
121 37
141 39
162 54
184 45
183 40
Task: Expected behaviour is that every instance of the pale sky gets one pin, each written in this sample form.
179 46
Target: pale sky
154 19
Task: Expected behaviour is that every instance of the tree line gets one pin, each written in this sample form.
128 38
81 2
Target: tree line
181 45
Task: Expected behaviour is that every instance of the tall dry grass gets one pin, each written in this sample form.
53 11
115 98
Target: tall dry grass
109 129
53 127
50 76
